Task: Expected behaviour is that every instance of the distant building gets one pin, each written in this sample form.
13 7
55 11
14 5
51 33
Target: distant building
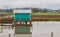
58 10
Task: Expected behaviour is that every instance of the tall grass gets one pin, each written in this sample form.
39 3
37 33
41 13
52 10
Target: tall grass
46 13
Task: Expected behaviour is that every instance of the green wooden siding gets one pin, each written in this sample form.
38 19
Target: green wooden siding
22 17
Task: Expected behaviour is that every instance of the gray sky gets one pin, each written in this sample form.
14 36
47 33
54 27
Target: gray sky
52 4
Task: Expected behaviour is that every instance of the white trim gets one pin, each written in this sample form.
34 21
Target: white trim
22 11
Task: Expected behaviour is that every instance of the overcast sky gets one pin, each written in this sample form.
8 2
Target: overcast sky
51 4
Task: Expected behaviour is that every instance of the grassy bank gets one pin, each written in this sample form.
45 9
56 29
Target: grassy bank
49 19
45 14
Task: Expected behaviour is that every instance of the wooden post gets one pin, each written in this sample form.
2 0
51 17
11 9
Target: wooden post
2 28
20 22
12 26
9 35
51 34
26 22
30 22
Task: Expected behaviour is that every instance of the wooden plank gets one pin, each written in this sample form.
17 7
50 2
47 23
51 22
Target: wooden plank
6 25
24 33
18 25
22 24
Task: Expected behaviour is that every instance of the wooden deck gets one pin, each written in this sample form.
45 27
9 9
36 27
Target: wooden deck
33 18
18 25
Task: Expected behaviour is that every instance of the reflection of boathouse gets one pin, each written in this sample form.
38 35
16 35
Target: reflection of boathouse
22 21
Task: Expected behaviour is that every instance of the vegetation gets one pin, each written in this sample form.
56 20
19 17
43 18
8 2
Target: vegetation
46 13
49 13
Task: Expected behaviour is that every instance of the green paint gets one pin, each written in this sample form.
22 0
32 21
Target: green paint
22 17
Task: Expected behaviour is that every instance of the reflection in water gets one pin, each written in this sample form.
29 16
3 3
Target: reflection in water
40 29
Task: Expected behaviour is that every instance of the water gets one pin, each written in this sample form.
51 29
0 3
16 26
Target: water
39 29
44 29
